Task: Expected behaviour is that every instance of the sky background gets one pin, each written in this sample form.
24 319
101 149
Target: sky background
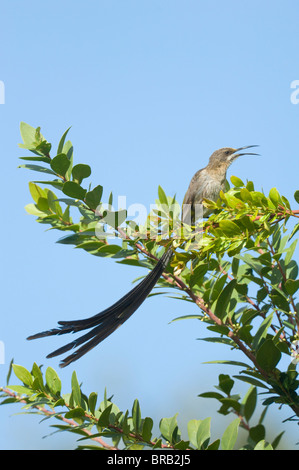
151 89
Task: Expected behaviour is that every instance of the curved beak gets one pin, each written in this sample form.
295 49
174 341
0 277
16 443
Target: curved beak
234 155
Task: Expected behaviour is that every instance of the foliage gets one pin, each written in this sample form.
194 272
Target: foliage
239 271
82 415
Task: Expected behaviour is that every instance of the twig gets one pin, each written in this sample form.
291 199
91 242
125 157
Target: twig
47 412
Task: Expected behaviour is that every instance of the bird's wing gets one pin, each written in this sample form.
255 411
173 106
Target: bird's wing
189 199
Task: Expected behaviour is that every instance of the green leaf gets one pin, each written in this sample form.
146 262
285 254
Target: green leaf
215 395
245 333
296 196
294 231
90 246
60 164
55 183
76 392
75 238
290 252
158 444
181 445
292 270
216 339
33 210
263 414
230 435
227 404
108 249
34 140
39 168
257 433
162 196
198 274
43 205
72 189
199 432
274 196
236 181
9 371
20 389
225 383
36 159
224 298
69 151
249 402
268 355
246 197
169 428
136 415
214 445
251 262
229 228
217 287
93 197
147 427
221 329
292 286
125 425
27 133
104 417
192 427
203 433
36 192
277 440
78 414
70 202
115 218
37 374
250 186
80 172
263 445
279 299
250 380
261 294
53 203
61 142
8 401
23 374
262 331
43 148
53 381
231 363
92 401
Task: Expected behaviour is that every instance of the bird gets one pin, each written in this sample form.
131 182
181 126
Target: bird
205 184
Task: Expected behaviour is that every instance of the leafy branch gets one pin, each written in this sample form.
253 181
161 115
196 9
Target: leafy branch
239 270
95 424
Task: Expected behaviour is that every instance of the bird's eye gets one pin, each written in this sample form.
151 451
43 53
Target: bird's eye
227 152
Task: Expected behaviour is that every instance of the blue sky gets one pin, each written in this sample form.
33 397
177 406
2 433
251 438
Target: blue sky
151 89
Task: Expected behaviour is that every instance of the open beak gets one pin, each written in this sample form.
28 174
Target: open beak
235 154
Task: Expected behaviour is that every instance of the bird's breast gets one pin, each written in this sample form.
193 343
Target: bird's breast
209 187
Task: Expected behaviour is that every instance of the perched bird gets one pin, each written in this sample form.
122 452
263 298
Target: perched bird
206 183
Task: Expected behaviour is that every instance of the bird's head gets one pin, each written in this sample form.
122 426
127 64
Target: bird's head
226 155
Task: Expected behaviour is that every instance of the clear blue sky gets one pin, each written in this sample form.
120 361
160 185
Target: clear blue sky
151 89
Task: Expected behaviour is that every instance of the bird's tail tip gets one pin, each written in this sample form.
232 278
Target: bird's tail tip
43 334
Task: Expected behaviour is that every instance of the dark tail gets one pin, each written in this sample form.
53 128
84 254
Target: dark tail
107 321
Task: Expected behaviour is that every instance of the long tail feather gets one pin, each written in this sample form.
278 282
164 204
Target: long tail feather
107 321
